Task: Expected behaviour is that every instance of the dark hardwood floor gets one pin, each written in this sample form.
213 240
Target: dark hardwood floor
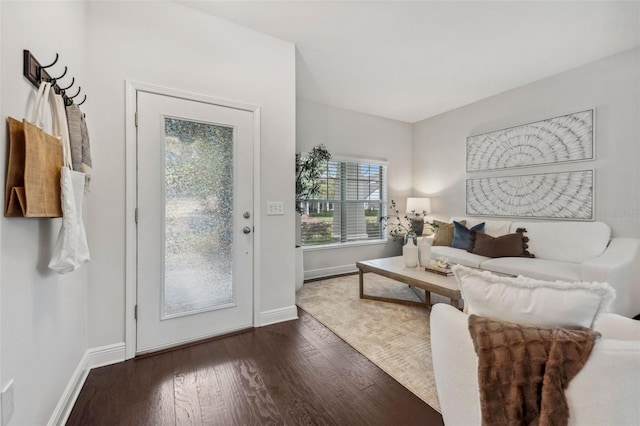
297 372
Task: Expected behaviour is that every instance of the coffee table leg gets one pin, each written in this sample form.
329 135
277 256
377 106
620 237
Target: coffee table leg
361 279
427 299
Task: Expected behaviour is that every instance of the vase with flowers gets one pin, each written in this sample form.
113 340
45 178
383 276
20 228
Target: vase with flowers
404 227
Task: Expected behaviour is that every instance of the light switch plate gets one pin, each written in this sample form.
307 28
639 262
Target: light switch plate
275 208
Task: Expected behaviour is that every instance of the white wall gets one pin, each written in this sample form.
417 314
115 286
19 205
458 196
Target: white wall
355 135
44 315
611 86
166 44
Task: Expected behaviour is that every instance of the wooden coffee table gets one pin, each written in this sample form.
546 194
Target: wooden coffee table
394 268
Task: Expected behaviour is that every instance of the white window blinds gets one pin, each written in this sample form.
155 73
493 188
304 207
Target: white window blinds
348 208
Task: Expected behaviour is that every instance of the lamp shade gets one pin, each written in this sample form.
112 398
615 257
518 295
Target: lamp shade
418 205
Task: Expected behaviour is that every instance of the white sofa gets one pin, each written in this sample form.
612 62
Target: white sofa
605 392
566 251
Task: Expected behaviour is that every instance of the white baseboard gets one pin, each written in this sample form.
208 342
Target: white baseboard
92 358
327 272
106 355
68 398
278 315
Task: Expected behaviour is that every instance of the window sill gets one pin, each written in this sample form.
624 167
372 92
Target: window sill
347 245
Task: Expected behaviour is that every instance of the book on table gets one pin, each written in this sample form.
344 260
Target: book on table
438 270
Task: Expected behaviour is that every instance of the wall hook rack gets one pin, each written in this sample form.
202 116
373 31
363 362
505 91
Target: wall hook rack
36 73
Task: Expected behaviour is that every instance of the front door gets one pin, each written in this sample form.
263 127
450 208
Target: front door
195 220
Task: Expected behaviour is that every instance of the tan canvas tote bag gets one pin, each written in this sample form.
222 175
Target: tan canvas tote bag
33 167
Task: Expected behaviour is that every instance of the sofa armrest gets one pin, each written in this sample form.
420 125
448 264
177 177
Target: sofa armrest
612 326
618 266
606 390
455 366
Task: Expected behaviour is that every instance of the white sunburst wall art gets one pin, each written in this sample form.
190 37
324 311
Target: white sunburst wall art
556 140
563 195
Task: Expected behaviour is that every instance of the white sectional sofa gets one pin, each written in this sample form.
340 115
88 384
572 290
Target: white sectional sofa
566 251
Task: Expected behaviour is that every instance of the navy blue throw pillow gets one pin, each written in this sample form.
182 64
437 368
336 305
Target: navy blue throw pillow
462 235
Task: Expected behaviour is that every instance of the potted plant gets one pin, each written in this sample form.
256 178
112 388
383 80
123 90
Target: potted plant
308 170
308 173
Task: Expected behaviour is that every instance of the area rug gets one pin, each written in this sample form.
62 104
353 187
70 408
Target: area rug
394 337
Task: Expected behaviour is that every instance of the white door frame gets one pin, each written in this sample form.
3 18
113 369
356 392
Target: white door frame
131 184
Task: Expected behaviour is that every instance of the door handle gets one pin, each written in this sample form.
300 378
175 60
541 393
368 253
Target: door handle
246 229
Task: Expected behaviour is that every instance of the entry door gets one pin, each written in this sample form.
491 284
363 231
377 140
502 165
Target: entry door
195 220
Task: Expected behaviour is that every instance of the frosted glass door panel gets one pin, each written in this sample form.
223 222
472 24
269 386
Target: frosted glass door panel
198 223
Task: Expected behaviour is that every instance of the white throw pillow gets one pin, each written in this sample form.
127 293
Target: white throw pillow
525 300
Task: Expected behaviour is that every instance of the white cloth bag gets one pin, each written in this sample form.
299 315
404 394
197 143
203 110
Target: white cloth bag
71 250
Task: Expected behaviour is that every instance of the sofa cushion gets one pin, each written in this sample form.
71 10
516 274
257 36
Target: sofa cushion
540 269
509 245
495 228
444 233
458 256
568 241
462 235
528 301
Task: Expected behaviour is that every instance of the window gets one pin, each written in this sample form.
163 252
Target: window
352 197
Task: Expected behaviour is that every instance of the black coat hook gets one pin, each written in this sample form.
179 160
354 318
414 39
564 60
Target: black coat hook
85 98
79 89
51 64
63 74
54 80
62 89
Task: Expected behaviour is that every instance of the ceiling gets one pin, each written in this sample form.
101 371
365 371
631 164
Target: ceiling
412 60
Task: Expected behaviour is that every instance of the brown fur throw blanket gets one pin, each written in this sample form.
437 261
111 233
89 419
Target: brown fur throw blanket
523 370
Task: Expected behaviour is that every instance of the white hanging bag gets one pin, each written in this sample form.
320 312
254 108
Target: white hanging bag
71 250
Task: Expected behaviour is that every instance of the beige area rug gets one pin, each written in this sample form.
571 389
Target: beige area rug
394 337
